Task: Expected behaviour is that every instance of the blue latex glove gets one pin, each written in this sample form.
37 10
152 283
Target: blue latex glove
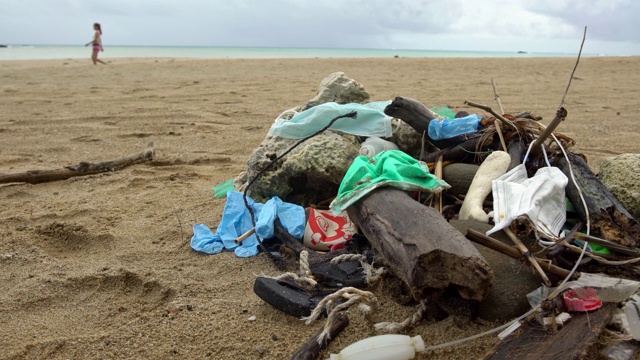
205 240
236 220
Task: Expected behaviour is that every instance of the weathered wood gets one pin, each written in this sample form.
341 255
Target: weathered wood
420 247
464 152
521 226
311 349
516 149
571 342
418 116
81 169
608 217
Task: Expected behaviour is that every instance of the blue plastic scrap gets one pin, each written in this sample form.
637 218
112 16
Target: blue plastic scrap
236 220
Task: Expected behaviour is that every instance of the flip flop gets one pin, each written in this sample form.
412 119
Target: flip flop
345 274
288 297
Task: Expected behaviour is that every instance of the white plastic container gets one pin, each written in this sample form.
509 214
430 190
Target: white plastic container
382 347
374 145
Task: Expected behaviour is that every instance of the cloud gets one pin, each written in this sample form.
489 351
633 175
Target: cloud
608 20
547 25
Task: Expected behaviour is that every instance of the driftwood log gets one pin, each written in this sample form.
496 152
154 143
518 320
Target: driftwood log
608 217
465 152
420 247
572 342
418 116
81 169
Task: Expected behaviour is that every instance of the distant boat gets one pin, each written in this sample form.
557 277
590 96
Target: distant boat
522 52
3 46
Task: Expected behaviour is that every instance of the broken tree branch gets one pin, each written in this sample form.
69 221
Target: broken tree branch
527 255
492 112
493 244
81 169
561 113
497 124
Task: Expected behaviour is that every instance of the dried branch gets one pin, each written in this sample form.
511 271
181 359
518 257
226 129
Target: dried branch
81 169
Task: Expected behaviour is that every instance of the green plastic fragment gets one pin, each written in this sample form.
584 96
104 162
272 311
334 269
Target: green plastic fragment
222 189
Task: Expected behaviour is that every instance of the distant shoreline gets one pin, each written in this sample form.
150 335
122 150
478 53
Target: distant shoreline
42 52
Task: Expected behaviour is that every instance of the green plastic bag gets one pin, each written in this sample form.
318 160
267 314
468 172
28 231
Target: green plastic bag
222 189
444 112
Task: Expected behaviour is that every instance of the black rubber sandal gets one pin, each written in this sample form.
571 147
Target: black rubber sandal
287 296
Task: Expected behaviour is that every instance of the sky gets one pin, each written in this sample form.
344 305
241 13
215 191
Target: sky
554 26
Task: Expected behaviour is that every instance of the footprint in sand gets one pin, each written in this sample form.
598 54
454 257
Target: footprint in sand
61 237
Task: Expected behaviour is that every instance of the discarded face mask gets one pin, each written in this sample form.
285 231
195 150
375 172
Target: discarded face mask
371 120
541 198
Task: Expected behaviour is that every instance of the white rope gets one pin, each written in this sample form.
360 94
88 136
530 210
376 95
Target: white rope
392 327
353 296
297 278
348 257
305 270
372 274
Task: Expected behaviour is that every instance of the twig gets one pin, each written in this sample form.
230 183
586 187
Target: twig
81 169
491 243
438 173
492 112
175 212
497 97
245 235
584 36
497 124
561 113
525 252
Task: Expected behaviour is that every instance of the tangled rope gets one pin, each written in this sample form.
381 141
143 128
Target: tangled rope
372 274
412 320
368 305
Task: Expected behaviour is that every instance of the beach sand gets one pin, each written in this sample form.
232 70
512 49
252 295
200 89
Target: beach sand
100 266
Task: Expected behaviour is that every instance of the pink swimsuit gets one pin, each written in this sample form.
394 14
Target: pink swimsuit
97 47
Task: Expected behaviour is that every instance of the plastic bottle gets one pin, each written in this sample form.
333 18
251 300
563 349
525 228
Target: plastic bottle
374 145
382 347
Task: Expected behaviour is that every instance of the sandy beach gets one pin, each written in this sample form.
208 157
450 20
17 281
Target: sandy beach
100 266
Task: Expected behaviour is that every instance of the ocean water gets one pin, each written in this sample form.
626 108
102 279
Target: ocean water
33 52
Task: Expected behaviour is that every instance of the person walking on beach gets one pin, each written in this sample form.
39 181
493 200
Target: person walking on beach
96 43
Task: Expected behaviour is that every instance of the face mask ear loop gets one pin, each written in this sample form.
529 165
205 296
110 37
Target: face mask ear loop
546 158
526 156
290 111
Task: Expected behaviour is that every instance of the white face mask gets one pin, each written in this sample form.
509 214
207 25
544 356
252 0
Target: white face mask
540 197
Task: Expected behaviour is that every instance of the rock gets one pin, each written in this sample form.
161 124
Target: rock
313 171
408 139
512 280
337 87
261 350
621 175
